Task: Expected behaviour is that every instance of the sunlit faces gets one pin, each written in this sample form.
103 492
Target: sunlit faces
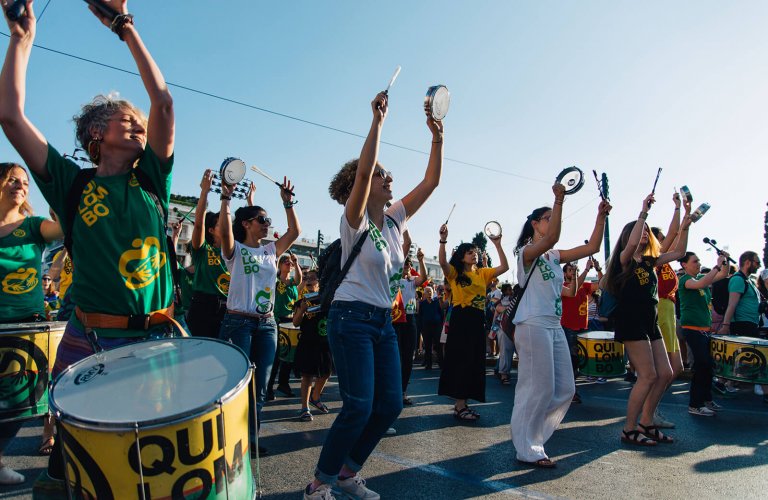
258 226
644 238
126 130
540 225
382 182
16 188
311 281
470 256
692 266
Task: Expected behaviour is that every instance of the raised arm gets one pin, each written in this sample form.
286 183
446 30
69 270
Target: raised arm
441 257
637 232
294 228
406 242
592 246
161 127
423 277
198 229
681 242
674 225
224 224
298 277
503 266
416 198
28 141
552 236
717 273
358 198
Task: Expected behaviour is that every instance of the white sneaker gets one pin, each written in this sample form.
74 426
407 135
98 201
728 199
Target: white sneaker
661 422
702 412
323 492
10 476
759 390
713 406
391 431
355 486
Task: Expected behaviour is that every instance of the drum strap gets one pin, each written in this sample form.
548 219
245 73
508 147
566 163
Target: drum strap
133 322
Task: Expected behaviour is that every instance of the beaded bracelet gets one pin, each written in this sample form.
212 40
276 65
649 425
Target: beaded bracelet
119 22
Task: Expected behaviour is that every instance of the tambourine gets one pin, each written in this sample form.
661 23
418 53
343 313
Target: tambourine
437 101
492 229
572 178
232 171
700 211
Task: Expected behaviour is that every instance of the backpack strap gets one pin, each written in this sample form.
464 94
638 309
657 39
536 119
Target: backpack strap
352 256
72 203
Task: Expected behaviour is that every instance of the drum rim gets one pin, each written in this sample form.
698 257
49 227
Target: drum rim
227 162
501 230
579 335
83 423
291 327
566 171
34 327
727 340
429 98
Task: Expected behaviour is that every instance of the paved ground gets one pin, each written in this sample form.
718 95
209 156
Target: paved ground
434 456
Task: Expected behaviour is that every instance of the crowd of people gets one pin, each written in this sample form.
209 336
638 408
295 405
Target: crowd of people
242 287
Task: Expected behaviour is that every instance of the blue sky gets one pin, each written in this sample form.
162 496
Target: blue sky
617 86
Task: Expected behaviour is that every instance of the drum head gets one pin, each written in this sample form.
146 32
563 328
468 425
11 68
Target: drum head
149 383
596 335
686 193
232 171
572 178
437 102
492 229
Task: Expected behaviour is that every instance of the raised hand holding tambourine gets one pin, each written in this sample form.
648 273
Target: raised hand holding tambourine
437 101
572 178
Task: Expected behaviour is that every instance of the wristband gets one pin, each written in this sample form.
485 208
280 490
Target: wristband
725 324
288 205
443 242
718 268
223 197
558 202
119 22
677 209
643 215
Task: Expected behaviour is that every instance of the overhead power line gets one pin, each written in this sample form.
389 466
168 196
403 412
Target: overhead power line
282 115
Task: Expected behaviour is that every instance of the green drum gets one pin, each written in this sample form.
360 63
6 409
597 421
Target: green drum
27 354
287 340
599 355
740 358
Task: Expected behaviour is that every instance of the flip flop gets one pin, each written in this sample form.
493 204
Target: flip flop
542 463
46 447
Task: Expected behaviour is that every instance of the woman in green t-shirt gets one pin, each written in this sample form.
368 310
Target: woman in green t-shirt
123 288
696 322
22 239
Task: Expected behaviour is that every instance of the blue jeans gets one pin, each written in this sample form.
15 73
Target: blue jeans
257 337
367 360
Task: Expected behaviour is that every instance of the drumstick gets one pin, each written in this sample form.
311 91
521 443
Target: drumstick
653 191
186 215
449 214
260 172
392 80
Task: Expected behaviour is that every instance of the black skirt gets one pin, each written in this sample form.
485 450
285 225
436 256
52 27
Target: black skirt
313 356
463 375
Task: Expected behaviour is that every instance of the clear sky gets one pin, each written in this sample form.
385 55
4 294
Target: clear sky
622 87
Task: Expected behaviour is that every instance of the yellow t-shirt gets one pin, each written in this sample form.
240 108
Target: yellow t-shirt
65 279
472 295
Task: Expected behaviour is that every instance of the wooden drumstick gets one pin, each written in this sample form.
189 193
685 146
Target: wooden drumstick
449 214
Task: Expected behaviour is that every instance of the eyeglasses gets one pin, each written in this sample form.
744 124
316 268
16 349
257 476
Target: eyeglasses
262 220
46 279
384 173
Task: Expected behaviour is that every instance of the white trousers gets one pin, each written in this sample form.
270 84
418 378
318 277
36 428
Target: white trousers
544 389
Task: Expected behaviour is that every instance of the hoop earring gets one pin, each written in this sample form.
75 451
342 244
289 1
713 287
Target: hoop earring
94 150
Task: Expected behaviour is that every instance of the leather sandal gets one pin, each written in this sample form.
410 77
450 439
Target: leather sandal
542 463
464 414
636 438
653 432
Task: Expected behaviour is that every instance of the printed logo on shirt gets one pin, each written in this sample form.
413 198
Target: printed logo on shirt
583 308
133 182
642 276
223 283
213 258
250 264
19 233
22 281
667 273
141 266
390 224
67 265
558 306
263 301
376 237
91 208
322 327
478 301
546 272
394 282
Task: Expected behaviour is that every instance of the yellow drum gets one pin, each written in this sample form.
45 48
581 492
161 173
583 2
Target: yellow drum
740 358
287 340
158 419
27 354
599 355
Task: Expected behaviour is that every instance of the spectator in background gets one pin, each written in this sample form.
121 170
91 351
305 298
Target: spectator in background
431 323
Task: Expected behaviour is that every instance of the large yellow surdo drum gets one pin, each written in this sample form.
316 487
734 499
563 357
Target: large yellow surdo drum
158 419
600 355
27 355
287 341
740 358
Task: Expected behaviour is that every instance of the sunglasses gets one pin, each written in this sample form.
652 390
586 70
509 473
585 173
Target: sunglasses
46 279
384 173
262 220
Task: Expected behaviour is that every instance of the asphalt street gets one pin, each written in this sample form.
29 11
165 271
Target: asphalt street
435 456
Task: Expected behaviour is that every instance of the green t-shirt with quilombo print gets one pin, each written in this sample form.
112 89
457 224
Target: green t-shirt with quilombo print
21 288
119 246
211 275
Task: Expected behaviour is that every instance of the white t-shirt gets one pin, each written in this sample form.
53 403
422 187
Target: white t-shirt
495 295
374 277
542 304
253 276
408 288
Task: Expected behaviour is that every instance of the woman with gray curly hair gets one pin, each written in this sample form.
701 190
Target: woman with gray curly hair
124 293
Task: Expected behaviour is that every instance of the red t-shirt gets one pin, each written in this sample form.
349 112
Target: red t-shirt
668 282
575 309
